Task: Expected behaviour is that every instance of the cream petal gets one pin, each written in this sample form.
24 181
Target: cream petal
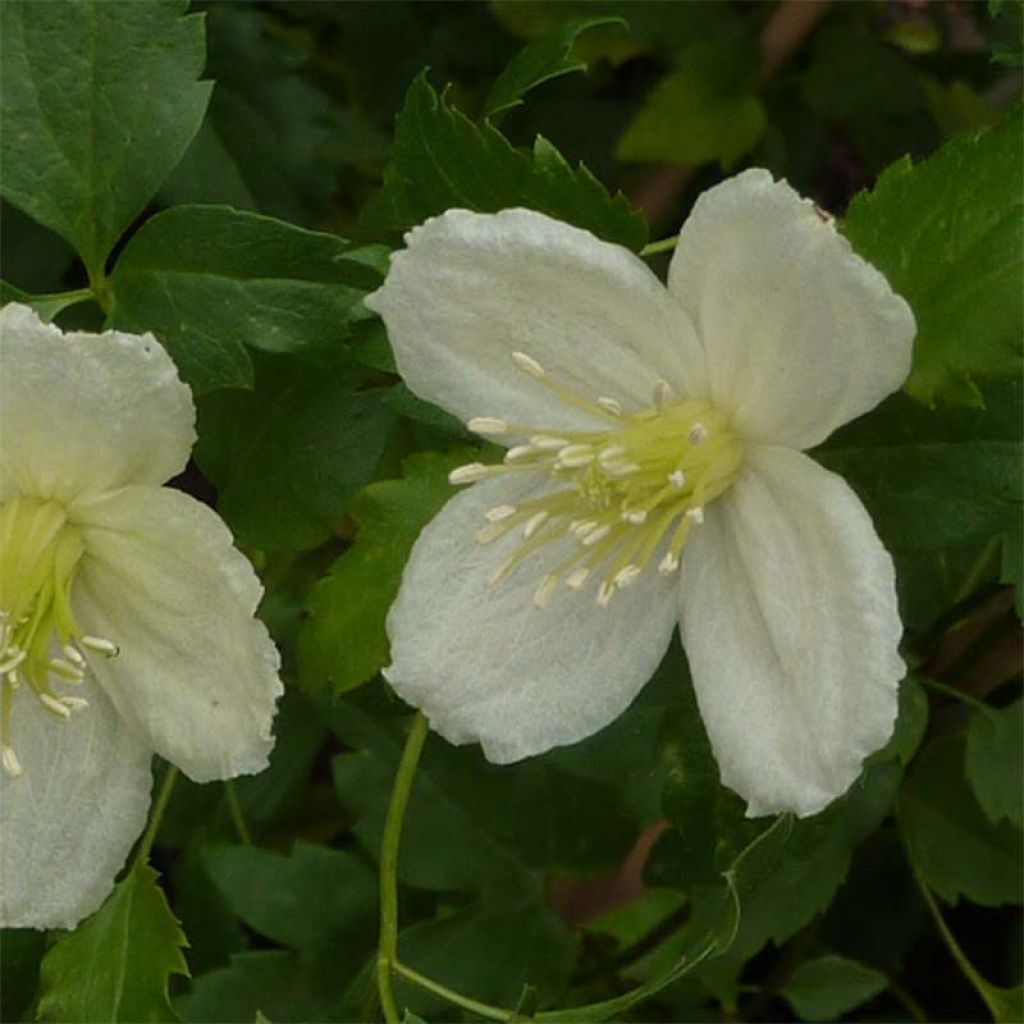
197 673
82 413
69 820
801 334
486 665
470 289
790 623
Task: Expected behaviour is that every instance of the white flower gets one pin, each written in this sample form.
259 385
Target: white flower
126 615
648 426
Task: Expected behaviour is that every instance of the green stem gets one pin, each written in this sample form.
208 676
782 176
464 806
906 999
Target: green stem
665 245
456 998
387 948
237 814
156 815
952 691
977 571
981 986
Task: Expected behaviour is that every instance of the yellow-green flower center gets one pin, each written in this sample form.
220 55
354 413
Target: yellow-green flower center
626 494
40 552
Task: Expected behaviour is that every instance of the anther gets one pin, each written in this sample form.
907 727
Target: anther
677 478
574 455
486 425
468 474
662 394
698 433
596 535
613 451
10 762
520 451
499 512
605 593
492 531
627 576
617 468
696 514
581 527
75 703
534 523
636 517
610 405
57 707
500 571
107 647
543 594
74 655
668 564
66 671
528 365
13 661
577 578
544 442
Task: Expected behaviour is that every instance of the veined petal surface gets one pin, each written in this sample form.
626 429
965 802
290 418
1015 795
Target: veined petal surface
83 413
791 627
801 334
470 289
485 664
69 820
197 674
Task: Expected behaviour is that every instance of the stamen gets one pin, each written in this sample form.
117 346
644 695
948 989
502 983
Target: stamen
627 576
492 531
574 455
595 535
59 708
677 478
543 442
100 645
578 577
499 512
698 434
534 523
13 661
662 394
487 425
520 451
529 365
668 564
66 671
605 593
610 405
613 451
696 514
502 570
10 761
75 703
543 594
74 655
468 474
636 517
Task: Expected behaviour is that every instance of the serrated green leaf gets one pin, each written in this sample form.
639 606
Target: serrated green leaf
115 965
547 57
343 641
288 456
443 160
99 102
994 762
210 282
826 988
947 234
707 110
911 723
313 899
47 306
956 850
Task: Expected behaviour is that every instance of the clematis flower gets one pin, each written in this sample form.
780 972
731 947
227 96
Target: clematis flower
654 474
126 615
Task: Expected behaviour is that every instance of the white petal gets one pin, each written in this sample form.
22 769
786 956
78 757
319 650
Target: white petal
485 664
801 334
196 673
69 820
472 288
790 623
82 413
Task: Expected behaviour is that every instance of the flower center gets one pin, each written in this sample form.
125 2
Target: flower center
626 493
39 556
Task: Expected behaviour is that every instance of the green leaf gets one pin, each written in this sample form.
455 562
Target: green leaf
315 899
706 110
911 723
114 966
550 56
939 485
288 456
99 102
210 281
21 950
343 641
994 761
954 847
828 987
442 160
47 306
947 233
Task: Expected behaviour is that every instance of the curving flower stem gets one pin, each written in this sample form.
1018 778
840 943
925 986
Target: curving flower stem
237 814
664 245
387 947
163 797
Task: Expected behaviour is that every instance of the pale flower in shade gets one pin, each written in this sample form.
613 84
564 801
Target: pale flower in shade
126 615
654 475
